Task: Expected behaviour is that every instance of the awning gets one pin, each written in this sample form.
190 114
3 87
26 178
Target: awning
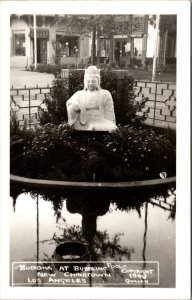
42 33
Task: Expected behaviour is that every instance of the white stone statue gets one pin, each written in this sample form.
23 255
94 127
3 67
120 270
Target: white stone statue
91 108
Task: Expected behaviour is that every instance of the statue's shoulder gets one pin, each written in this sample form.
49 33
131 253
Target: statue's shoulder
79 94
105 92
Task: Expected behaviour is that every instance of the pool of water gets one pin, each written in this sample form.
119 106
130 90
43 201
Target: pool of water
129 242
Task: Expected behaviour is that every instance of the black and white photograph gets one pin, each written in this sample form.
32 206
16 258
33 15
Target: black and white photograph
95 143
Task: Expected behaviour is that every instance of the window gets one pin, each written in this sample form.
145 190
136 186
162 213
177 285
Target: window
171 45
123 48
138 47
66 46
104 47
19 44
120 44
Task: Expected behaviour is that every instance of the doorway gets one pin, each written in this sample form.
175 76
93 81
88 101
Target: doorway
42 51
120 45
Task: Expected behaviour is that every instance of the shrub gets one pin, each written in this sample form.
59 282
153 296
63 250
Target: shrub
142 149
76 81
135 62
55 103
171 60
129 153
14 126
46 68
168 68
46 148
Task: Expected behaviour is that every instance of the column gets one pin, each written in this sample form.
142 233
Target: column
144 44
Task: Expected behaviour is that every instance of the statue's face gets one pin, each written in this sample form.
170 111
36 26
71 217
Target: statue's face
91 83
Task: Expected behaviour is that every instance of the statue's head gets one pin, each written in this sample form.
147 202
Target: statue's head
92 78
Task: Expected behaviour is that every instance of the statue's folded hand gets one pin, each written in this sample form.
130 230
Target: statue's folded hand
75 106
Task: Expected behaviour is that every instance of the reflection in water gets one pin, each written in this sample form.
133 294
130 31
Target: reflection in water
100 244
145 234
15 192
37 203
90 211
167 202
145 240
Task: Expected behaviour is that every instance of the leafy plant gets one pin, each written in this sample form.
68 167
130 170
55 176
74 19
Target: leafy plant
142 149
100 247
76 81
14 126
55 103
129 153
47 68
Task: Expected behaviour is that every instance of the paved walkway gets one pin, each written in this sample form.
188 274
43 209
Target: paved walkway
21 78
147 75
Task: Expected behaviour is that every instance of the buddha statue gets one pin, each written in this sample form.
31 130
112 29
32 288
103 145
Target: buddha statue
91 108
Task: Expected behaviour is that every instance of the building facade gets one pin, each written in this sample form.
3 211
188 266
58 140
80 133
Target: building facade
67 43
54 43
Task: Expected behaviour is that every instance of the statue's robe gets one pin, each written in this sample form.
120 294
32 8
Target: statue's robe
100 116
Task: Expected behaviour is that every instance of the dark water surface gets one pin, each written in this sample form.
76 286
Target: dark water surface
113 231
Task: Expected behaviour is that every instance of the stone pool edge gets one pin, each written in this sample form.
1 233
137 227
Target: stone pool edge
72 185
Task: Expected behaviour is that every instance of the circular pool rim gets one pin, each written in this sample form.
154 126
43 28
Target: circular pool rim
78 185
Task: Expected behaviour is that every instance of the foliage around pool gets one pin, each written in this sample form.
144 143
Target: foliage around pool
58 152
55 151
